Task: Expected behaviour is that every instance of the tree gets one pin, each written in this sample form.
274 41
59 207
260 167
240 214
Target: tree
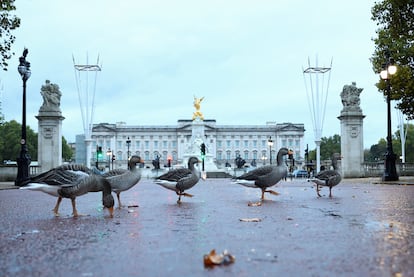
10 141
329 145
377 151
395 19
10 135
409 143
67 152
8 23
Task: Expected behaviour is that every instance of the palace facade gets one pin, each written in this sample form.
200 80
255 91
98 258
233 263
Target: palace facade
254 143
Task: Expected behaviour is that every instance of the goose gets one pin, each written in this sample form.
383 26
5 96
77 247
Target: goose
265 176
124 179
328 178
71 181
180 179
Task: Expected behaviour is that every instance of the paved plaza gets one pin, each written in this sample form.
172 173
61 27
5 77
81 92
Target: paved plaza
366 229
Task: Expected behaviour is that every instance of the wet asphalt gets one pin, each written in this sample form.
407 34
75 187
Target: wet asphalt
366 229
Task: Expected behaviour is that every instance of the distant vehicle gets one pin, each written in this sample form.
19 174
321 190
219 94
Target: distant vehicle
299 173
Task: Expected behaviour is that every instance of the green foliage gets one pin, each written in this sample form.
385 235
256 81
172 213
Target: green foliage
409 143
395 21
67 152
10 135
329 146
8 23
377 151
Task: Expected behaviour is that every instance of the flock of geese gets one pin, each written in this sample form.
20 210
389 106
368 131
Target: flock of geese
71 181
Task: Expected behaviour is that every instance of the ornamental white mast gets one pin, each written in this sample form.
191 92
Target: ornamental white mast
403 128
317 97
86 95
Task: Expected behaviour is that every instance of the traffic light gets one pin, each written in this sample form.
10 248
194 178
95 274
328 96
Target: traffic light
203 150
113 157
306 153
99 152
169 159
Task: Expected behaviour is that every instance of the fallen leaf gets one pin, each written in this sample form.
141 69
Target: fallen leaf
213 259
254 204
254 219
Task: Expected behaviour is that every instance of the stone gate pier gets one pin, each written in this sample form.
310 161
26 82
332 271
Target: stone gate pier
352 130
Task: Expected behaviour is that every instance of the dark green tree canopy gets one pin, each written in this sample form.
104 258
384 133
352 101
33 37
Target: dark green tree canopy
329 146
8 23
395 21
10 135
377 151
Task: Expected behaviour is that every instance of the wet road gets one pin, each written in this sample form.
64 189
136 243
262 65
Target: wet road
364 230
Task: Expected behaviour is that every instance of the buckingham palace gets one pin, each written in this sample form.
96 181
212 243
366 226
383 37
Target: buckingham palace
256 144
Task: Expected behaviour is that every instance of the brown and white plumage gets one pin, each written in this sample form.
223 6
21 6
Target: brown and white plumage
180 179
265 176
328 178
124 179
71 181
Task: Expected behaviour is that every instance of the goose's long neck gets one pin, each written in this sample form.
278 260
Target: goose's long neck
133 167
193 168
335 163
106 187
279 158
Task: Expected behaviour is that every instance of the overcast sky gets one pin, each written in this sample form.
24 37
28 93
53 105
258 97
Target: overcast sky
245 58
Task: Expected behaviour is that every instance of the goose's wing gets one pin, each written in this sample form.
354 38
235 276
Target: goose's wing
326 175
92 183
327 178
175 175
188 181
61 176
75 168
256 174
115 172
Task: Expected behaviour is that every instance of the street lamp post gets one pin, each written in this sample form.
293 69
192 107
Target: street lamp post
270 143
390 172
109 154
264 159
23 161
128 142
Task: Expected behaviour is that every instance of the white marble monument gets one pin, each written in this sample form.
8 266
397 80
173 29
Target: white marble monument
193 148
50 128
352 140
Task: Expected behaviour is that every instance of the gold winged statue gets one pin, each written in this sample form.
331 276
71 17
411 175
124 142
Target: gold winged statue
197 105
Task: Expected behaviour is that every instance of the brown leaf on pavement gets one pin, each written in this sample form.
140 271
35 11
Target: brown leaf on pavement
213 259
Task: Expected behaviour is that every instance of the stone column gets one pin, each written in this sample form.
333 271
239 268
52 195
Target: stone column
352 130
50 128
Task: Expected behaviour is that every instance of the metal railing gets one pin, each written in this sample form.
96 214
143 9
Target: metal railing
374 169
